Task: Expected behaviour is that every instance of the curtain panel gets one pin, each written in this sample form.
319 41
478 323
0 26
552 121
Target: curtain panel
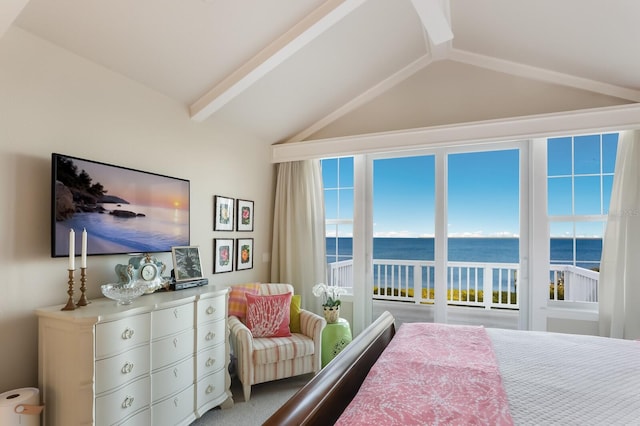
298 249
619 284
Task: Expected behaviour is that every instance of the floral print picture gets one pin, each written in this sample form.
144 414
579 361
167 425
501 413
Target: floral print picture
244 250
222 255
244 209
222 213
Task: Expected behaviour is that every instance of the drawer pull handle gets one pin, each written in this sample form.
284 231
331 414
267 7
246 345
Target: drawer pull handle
210 335
175 372
127 368
210 310
127 334
176 401
210 362
128 402
175 313
175 342
209 389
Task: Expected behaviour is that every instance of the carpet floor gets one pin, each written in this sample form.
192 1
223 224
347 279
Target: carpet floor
265 399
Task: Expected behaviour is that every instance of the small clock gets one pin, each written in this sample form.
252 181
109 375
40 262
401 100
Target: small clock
149 272
145 269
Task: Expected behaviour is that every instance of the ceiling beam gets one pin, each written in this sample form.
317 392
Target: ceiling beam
542 74
434 19
9 11
305 31
365 97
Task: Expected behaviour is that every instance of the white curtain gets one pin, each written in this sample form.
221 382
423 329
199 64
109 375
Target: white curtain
619 284
298 250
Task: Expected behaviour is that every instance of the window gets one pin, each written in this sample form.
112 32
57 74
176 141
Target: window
337 178
579 180
580 176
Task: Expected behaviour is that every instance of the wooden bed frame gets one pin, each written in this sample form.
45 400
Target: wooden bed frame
323 399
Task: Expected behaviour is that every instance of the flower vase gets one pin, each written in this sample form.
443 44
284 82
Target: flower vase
331 314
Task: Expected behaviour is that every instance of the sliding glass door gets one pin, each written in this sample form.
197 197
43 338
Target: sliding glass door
446 239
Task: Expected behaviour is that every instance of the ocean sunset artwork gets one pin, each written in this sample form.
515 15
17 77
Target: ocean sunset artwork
123 210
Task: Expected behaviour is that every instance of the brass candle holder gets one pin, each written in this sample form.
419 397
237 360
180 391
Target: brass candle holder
70 306
83 287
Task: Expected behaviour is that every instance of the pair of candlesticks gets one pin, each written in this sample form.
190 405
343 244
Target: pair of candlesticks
70 306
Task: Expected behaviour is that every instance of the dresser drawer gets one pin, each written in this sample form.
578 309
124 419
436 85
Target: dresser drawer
210 388
116 371
211 333
120 404
172 349
176 409
121 335
211 309
210 360
172 320
143 418
172 379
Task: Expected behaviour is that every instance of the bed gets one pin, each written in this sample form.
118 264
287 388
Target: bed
545 378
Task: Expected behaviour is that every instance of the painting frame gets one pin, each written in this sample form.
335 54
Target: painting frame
187 265
223 213
244 246
244 213
221 262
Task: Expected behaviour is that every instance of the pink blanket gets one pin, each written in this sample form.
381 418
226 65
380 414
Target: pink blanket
432 374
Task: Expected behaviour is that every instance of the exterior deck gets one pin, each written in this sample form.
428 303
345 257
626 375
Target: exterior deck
406 289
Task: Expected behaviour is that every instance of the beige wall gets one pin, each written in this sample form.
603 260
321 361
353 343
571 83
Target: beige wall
449 92
54 101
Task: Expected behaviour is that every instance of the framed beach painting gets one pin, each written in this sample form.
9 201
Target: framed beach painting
244 250
222 255
186 263
222 213
244 210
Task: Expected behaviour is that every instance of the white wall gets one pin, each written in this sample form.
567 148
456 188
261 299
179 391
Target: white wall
54 101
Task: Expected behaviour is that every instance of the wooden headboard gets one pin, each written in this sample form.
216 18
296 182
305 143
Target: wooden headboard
323 399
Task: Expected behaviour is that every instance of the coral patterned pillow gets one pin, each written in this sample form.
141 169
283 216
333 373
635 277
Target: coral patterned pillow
237 300
268 316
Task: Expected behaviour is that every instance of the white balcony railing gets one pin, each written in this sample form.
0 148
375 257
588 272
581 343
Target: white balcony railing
573 284
467 282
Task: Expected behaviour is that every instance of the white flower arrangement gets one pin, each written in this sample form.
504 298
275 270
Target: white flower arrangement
330 294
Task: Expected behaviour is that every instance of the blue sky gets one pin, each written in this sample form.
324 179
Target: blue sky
483 190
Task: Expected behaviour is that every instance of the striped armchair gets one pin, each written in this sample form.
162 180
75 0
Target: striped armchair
263 359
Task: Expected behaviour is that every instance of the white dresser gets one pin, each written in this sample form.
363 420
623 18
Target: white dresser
161 360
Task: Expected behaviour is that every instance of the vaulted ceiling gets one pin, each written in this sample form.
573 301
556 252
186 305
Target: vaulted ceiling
285 69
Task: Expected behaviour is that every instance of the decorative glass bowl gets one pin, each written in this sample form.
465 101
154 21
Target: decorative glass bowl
124 294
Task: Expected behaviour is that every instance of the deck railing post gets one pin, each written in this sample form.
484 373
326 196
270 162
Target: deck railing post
487 287
417 283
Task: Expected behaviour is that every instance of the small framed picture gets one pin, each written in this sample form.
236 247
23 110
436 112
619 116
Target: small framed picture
222 255
244 210
244 250
186 263
222 213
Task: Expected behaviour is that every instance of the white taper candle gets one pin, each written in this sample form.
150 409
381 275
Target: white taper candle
72 250
83 263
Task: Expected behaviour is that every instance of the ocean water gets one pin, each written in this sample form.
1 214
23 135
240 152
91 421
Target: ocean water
501 250
158 230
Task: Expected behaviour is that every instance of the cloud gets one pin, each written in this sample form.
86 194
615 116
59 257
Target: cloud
482 234
395 234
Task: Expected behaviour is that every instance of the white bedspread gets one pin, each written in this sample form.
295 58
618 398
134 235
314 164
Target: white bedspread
561 379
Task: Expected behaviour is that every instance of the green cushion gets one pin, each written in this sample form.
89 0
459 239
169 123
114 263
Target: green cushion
294 316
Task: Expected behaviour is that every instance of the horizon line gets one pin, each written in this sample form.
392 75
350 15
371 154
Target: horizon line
468 236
